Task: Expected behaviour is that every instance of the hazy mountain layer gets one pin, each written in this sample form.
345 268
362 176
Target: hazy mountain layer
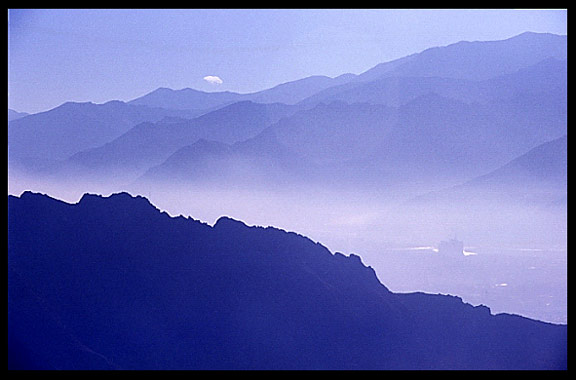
43 138
431 140
186 99
515 101
149 144
13 115
546 75
287 93
476 60
536 178
464 61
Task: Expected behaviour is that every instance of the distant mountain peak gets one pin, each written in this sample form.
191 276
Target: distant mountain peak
75 104
162 89
530 34
115 102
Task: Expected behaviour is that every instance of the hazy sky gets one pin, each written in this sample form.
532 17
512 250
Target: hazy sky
99 55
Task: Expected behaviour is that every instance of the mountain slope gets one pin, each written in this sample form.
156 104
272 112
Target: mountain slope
255 163
186 99
45 137
544 164
308 146
295 91
476 60
148 144
288 93
13 115
523 97
522 200
112 283
430 141
545 75
537 177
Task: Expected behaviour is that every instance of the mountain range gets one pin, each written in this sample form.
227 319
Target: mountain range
287 93
37 140
462 62
475 60
114 283
430 139
467 95
546 75
148 144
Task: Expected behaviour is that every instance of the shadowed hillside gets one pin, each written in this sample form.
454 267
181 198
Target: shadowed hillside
113 283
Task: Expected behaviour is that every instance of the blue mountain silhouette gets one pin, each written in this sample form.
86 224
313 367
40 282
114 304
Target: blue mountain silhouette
538 177
46 137
113 283
13 115
149 144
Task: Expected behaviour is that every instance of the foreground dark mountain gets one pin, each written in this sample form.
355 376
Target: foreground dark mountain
113 283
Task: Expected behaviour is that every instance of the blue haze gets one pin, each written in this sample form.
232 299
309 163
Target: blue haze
376 133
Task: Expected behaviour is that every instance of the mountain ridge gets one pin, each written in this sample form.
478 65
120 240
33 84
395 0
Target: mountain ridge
71 127
363 141
517 51
534 176
399 90
13 114
149 144
414 65
181 294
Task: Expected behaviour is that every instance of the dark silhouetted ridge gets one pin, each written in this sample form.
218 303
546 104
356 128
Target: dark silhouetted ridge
226 222
113 283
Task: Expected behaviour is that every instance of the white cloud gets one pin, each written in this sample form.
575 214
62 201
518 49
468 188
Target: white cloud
213 79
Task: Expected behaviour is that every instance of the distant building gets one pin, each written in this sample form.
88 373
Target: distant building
452 247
